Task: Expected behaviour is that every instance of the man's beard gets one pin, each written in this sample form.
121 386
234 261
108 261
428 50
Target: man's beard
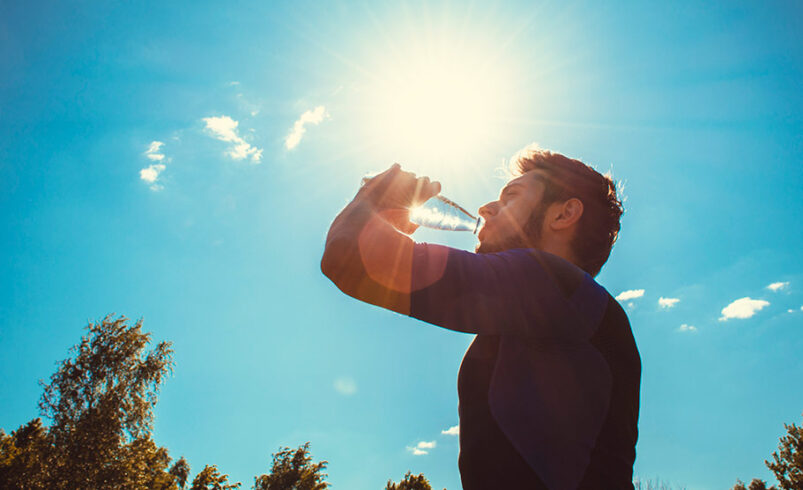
530 236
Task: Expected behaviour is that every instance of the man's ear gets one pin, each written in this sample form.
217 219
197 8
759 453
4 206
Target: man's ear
566 214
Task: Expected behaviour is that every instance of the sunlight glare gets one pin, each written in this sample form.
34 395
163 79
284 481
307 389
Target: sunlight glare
439 105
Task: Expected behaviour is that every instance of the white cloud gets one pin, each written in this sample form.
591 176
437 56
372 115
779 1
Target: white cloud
777 286
421 448
153 151
224 128
743 308
345 386
630 294
151 173
452 431
667 302
687 328
313 116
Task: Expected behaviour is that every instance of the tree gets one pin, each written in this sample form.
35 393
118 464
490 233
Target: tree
100 403
142 464
180 471
25 456
787 463
755 484
293 470
410 482
658 484
112 381
210 479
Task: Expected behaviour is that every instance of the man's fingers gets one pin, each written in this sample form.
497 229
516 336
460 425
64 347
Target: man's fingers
385 177
378 184
435 188
397 188
420 189
426 190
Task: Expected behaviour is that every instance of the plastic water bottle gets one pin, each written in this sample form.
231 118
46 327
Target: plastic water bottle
441 213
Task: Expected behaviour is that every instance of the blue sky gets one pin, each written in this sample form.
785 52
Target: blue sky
266 116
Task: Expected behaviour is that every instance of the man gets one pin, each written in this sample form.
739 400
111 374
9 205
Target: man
549 389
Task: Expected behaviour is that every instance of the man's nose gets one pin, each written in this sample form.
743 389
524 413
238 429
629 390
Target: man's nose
488 210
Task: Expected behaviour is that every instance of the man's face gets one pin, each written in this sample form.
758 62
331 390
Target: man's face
516 218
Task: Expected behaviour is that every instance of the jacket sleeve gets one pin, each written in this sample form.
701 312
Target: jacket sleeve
521 292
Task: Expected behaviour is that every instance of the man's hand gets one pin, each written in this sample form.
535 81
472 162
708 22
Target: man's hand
368 254
393 192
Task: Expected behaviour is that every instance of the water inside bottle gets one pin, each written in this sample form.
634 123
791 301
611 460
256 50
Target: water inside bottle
443 214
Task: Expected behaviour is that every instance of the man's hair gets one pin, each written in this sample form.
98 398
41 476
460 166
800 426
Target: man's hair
599 226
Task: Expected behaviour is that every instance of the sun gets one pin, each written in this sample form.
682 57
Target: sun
437 102
440 102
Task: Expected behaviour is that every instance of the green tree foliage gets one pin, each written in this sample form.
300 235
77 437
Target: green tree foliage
658 484
410 482
180 471
210 479
100 403
25 456
755 484
293 470
787 463
111 385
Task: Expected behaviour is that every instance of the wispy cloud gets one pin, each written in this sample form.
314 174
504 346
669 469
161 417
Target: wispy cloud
150 174
153 152
345 386
630 294
667 302
777 286
743 308
452 431
312 116
687 328
422 448
224 128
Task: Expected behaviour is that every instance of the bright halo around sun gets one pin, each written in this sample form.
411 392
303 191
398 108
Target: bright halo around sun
439 104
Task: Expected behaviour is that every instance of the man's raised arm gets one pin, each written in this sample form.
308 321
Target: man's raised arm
366 254
370 257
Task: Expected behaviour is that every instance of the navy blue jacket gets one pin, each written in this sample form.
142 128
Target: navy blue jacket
552 386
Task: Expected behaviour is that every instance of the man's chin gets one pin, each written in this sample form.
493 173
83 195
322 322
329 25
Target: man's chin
489 247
